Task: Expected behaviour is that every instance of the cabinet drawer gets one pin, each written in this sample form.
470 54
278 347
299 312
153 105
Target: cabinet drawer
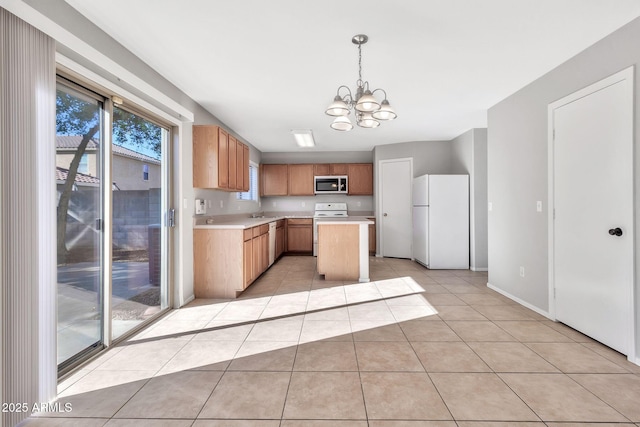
300 221
248 234
260 230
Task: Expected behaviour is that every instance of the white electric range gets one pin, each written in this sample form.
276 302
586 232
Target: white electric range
326 210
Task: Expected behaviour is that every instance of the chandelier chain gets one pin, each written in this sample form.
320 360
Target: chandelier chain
359 62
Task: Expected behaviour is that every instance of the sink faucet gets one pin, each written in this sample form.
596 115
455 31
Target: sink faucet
257 214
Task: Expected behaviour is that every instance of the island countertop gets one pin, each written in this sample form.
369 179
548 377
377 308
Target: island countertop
351 220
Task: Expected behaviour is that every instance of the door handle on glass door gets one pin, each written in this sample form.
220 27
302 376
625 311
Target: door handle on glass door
615 231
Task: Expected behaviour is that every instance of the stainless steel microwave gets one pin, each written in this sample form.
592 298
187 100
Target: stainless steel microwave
330 184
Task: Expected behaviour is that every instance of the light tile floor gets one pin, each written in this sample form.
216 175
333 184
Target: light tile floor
415 347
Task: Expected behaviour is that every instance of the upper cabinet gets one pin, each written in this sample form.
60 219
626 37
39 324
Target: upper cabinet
219 160
301 180
339 169
274 180
297 179
360 179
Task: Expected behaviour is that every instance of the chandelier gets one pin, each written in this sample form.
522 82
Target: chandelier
367 109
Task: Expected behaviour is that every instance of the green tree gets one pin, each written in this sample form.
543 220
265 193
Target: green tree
77 116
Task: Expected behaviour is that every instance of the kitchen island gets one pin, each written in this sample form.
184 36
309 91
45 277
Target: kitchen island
343 248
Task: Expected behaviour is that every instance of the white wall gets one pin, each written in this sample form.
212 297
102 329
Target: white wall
517 166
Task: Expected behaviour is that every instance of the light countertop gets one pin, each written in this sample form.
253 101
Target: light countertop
240 222
351 220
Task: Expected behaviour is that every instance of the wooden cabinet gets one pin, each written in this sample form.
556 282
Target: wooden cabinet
279 238
233 163
301 180
297 179
339 169
227 261
300 235
321 169
372 236
360 179
245 166
274 180
218 159
247 255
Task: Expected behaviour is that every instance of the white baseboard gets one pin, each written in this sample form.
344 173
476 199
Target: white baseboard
479 269
519 301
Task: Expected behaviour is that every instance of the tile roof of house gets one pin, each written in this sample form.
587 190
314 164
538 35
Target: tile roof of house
81 178
72 141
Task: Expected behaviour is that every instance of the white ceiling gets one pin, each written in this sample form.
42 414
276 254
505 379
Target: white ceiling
266 67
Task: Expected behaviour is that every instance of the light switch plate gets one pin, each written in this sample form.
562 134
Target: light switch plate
539 206
490 206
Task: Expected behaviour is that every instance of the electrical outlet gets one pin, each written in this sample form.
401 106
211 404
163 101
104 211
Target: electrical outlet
303 204
358 204
521 271
210 203
221 204
274 204
539 206
490 206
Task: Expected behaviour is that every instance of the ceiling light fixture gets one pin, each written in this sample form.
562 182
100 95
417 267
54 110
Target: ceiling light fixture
303 137
368 110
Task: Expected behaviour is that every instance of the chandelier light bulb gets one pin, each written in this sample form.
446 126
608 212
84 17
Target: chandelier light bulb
367 103
338 107
342 123
385 112
367 121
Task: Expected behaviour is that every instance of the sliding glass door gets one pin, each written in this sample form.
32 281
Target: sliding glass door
139 198
79 125
112 181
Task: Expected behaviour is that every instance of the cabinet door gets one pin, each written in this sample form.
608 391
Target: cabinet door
245 167
223 159
205 156
300 238
361 179
339 168
372 236
233 157
248 262
264 242
239 166
301 180
279 241
274 180
257 257
321 169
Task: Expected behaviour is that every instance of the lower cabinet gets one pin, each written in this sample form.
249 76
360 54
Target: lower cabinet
227 261
300 235
372 236
279 238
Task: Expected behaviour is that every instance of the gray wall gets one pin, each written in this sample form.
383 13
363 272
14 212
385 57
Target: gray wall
469 156
428 156
517 166
318 157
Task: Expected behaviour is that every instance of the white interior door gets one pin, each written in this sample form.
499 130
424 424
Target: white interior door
395 207
593 199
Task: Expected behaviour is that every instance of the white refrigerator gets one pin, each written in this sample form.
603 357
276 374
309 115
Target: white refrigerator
441 221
